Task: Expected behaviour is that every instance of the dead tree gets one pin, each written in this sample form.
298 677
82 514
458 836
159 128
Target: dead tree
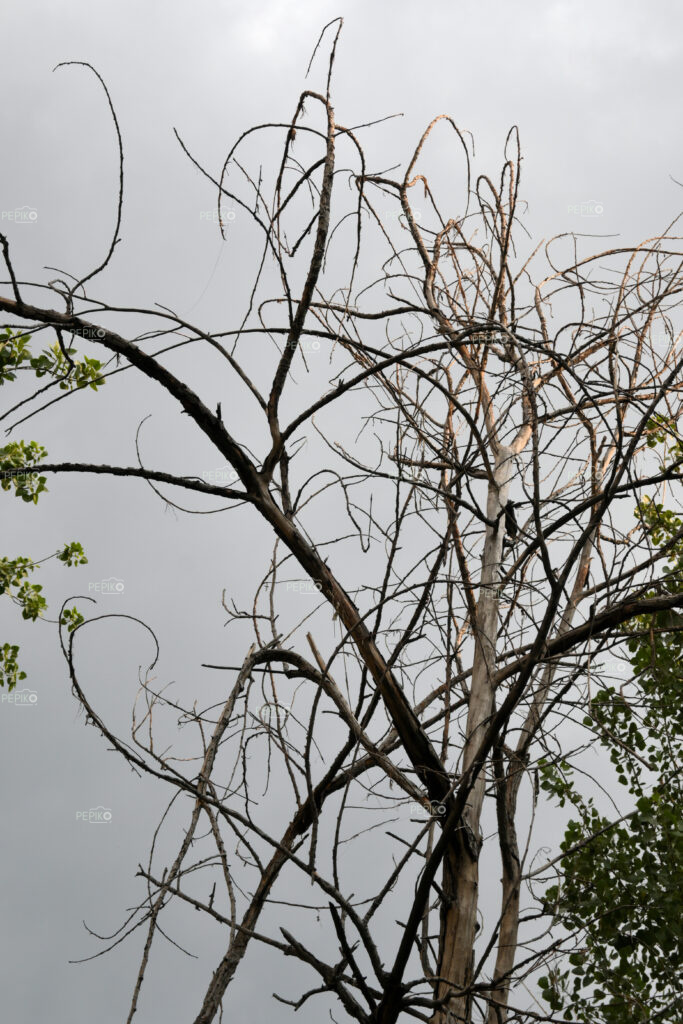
502 397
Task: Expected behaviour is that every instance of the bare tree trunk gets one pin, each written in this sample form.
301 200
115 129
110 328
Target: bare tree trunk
508 789
508 784
460 879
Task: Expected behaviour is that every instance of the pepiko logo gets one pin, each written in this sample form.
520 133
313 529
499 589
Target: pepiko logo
430 809
303 586
111 585
21 698
213 217
22 215
222 475
309 346
591 208
95 815
273 715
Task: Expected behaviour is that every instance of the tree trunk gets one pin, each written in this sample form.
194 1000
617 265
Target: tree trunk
460 878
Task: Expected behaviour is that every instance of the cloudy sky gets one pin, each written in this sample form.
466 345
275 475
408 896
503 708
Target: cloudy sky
595 91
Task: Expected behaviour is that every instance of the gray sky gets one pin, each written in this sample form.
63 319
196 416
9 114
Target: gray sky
595 90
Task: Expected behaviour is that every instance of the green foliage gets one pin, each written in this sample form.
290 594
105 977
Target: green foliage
15 583
71 618
72 554
661 432
82 373
14 352
71 373
622 892
17 470
16 460
14 580
9 667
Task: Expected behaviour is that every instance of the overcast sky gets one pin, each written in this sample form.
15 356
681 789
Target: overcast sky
595 90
